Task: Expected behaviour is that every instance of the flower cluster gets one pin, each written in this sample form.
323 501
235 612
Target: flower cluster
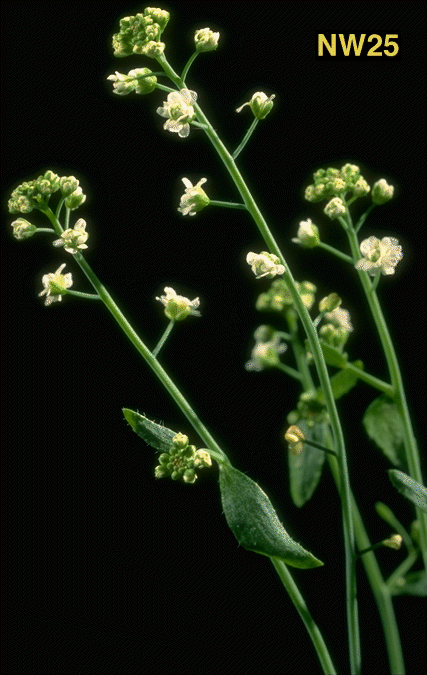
267 349
278 297
260 104
55 285
337 327
177 307
34 194
265 264
336 183
194 198
138 80
179 111
140 34
182 460
379 255
74 238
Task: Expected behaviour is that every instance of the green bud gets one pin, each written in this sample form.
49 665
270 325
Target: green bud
361 187
331 302
206 40
140 34
75 199
68 184
22 229
382 192
260 104
334 208
308 234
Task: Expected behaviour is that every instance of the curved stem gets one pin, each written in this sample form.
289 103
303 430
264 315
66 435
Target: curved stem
349 545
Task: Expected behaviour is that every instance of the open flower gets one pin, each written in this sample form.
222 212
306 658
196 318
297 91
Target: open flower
308 234
264 264
260 104
194 198
268 347
179 111
73 238
384 255
55 285
176 306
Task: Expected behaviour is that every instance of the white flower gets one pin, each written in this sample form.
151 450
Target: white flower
382 192
264 264
177 307
194 198
179 111
22 229
55 285
340 318
73 239
384 255
334 208
266 354
308 234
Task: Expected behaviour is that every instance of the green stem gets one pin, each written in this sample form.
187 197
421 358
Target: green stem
187 67
164 337
336 252
302 609
370 379
214 449
246 137
349 544
228 205
79 294
289 371
411 450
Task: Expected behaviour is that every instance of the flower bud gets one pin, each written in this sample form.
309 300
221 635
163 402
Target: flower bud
75 199
206 40
308 234
22 229
260 104
177 307
265 264
68 184
393 542
382 192
334 208
331 302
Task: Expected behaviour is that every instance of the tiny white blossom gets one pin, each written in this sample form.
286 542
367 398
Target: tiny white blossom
265 354
55 285
265 264
334 208
384 255
382 192
179 111
177 307
194 198
340 318
74 238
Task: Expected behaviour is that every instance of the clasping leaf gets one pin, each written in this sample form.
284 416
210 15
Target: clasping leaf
160 438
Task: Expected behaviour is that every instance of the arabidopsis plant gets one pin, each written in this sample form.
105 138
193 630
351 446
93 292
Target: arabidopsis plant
194 198
179 111
177 307
379 255
265 264
74 239
55 285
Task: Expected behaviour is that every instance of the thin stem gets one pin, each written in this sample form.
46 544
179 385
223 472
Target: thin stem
336 252
370 379
214 449
164 337
328 451
187 67
302 609
349 545
411 450
289 371
79 294
228 205
363 217
246 137
45 229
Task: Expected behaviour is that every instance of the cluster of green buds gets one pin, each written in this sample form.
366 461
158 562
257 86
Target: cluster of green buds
310 409
182 460
138 80
140 34
267 350
329 183
278 297
35 194
337 327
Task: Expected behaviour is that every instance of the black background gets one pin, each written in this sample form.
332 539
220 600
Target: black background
108 570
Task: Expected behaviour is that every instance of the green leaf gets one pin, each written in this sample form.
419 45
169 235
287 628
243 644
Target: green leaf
333 356
409 488
160 438
305 469
252 519
415 583
342 382
383 425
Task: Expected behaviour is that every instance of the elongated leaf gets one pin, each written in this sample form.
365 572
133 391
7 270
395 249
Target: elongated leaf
252 519
159 437
409 488
415 583
305 469
383 425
